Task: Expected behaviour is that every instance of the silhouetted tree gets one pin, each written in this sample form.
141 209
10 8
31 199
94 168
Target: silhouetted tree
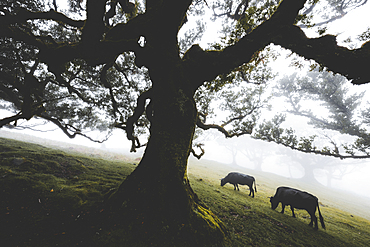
103 64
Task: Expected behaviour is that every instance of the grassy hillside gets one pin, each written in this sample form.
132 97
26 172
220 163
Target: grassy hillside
50 197
252 222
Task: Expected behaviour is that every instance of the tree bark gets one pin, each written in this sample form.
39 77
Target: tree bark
156 200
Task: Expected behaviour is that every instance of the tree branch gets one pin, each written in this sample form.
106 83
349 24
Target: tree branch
129 125
8 120
237 15
279 29
242 116
206 65
93 29
198 156
350 63
23 15
70 130
220 128
103 78
336 153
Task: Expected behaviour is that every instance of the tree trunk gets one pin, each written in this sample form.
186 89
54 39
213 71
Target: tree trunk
309 175
156 200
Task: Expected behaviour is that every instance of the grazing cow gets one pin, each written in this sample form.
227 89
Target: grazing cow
297 199
236 178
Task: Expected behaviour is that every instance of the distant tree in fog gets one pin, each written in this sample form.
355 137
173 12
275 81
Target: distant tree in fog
307 96
317 165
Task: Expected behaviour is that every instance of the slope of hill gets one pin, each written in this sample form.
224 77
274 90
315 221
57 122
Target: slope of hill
50 197
352 203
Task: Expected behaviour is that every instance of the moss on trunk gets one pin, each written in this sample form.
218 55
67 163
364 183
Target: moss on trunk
156 201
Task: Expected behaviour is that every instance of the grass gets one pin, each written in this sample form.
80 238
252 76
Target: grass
252 222
47 195
44 191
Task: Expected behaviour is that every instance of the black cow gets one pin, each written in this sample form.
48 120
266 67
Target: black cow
236 178
297 199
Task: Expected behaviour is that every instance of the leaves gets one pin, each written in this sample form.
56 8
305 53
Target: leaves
82 75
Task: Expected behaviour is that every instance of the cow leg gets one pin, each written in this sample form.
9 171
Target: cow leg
314 221
251 191
282 208
311 222
292 208
237 186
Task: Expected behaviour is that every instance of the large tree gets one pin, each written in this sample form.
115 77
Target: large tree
120 59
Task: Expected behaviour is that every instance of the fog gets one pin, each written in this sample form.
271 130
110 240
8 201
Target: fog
349 175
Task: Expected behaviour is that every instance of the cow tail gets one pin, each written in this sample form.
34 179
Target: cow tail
255 188
321 218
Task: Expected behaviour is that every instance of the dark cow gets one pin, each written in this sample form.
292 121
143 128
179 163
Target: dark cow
297 199
236 178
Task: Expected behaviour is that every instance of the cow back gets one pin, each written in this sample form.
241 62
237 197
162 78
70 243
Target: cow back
296 198
239 178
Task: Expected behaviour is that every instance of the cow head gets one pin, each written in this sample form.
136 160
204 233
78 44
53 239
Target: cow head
223 182
274 202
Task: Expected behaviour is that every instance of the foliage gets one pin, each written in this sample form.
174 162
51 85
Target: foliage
81 97
84 94
344 112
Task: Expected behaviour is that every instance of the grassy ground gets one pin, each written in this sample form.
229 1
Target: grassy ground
48 195
252 222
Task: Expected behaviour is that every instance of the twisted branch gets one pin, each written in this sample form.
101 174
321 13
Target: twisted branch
221 128
103 78
129 125
198 156
70 130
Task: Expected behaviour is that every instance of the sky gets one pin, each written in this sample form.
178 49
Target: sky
354 23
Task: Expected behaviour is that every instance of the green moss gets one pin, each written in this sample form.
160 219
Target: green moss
44 190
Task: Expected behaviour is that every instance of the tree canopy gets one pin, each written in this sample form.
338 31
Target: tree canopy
104 64
96 80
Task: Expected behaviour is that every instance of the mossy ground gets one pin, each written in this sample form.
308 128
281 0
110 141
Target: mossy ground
53 198
45 193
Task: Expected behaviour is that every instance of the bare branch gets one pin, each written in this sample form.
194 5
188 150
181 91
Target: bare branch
237 15
70 130
55 5
129 125
103 78
111 12
198 156
336 155
8 120
220 128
